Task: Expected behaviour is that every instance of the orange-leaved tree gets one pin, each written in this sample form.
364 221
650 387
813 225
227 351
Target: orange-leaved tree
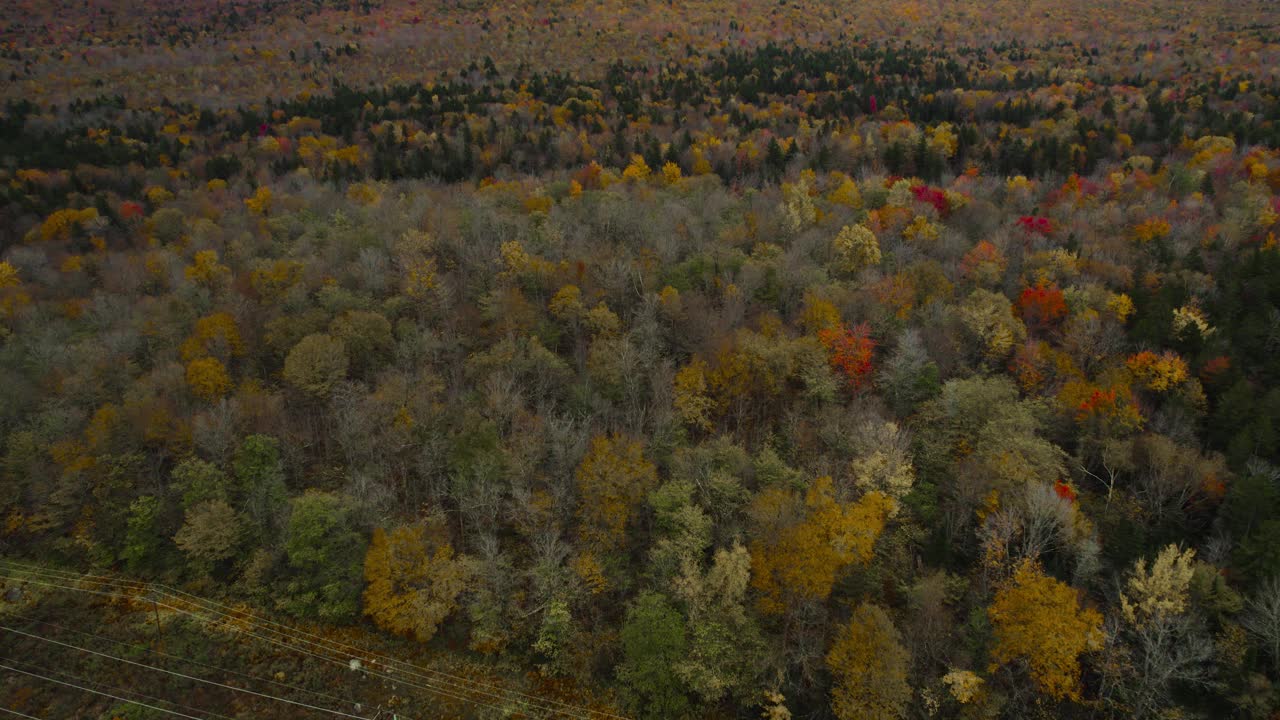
1038 620
1158 373
984 264
414 579
800 547
613 479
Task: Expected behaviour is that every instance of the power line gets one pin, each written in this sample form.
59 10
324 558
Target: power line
428 686
178 674
459 684
107 686
15 713
456 682
95 692
569 709
274 641
181 658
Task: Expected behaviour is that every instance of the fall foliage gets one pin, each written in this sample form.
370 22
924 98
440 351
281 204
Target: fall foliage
639 359
413 579
870 665
803 545
612 479
1038 620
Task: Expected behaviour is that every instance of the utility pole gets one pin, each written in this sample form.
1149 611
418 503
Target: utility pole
157 640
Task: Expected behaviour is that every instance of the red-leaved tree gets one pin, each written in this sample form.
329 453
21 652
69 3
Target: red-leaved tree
1042 306
851 351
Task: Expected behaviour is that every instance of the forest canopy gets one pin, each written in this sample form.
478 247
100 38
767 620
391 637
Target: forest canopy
652 360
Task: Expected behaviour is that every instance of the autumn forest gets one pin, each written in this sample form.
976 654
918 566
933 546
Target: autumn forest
603 359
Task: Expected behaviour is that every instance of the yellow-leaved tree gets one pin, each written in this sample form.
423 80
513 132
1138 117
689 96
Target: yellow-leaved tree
869 665
801 546
414 579
690 398
206 270
567 305
214 335
638 170
1158 373
1038 620
798 210
819 314
208 379
856 248
613 479
989 317
1159 591
8 275
12 296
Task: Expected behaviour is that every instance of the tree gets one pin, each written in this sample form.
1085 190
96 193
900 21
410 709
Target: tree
260 201
798 210
752 371
799 548
602 321
989 317
856 248
1158 373
682 530
210 534
208 379
199 482
1163 644
613 478
884 462
653 642
555 636
908 376
567 305
324 552
142 540
260 482
869 665
413 579
1160 591
725 646
1042 307
671 173
965 686
316 364
206 270
638 170
690 395
1262 618
214 335
1249 515
1170 476
367 338
12 295
984 264
851 351
819 314
9 276
1038 621
1032 521
977 436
